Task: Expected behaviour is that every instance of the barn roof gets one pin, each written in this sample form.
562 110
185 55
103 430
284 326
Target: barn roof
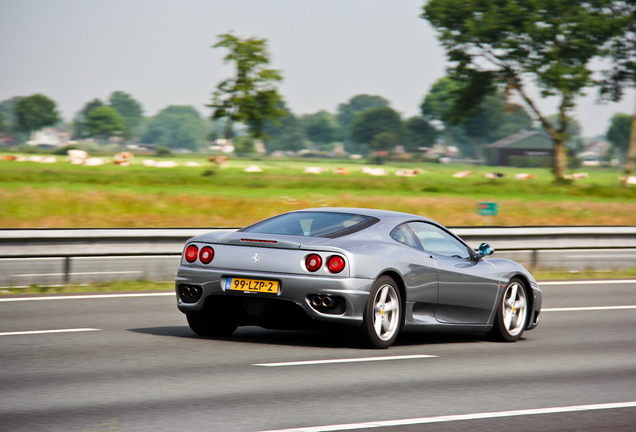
524 140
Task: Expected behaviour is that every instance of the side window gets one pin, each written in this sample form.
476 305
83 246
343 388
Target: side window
405 236
438 241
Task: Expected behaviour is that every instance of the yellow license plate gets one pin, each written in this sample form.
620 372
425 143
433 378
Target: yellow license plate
264 286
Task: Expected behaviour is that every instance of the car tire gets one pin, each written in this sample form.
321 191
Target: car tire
512 313
204 325
382 315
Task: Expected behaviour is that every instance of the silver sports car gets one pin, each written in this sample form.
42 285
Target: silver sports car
374 272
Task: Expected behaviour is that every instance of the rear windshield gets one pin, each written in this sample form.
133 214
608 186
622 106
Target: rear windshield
312 224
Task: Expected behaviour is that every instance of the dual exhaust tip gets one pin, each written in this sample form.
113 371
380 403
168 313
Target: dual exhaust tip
323 301
190 293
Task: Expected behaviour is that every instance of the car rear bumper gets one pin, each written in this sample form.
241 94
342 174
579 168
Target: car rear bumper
350 293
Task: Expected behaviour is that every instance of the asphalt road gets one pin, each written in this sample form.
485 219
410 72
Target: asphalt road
132 364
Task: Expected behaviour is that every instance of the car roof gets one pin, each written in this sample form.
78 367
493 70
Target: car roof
383 215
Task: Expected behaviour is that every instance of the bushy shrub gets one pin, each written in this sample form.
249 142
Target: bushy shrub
164 152
63 151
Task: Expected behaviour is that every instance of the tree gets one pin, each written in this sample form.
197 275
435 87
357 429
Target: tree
129 109
622 72
244 144
439 100
491 120
572 135
437 105
320 128
419 133
384 141
7 108
619 133
493 44
347 112
286 134
80 130
494 120
517 120
35 112
104 122
375 121
176 126
251 97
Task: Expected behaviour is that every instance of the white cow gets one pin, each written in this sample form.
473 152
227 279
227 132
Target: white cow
253 169
166 164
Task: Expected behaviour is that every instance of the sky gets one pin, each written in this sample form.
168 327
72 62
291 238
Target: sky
160 52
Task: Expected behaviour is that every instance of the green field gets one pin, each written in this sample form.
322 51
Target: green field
64 195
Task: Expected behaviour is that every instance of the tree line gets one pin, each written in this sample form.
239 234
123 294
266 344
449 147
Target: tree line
365 123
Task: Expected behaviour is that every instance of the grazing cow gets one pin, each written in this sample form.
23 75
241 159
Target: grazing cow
462 174
341 171
631 180
192 164
219 160
524 176
494 175
315 170
406 172
9 158
253 169
77 157
374 171
42 159
166 164
94 161
123 159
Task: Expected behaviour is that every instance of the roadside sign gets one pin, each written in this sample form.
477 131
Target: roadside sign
487 209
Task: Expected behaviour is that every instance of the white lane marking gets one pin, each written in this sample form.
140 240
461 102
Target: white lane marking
460 417
348 360
32 332
589 308
78 274
588 282
604 256
85 297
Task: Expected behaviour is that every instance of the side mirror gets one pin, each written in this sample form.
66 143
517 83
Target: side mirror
485 249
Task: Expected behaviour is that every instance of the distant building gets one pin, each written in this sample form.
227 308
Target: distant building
527 144
223 146
594 152
49 138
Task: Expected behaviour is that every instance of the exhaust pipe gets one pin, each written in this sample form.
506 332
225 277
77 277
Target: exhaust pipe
328 302
322 302
191 292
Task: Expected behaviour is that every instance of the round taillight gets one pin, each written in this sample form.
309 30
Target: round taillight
313 262
191 253
336 264
206 255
